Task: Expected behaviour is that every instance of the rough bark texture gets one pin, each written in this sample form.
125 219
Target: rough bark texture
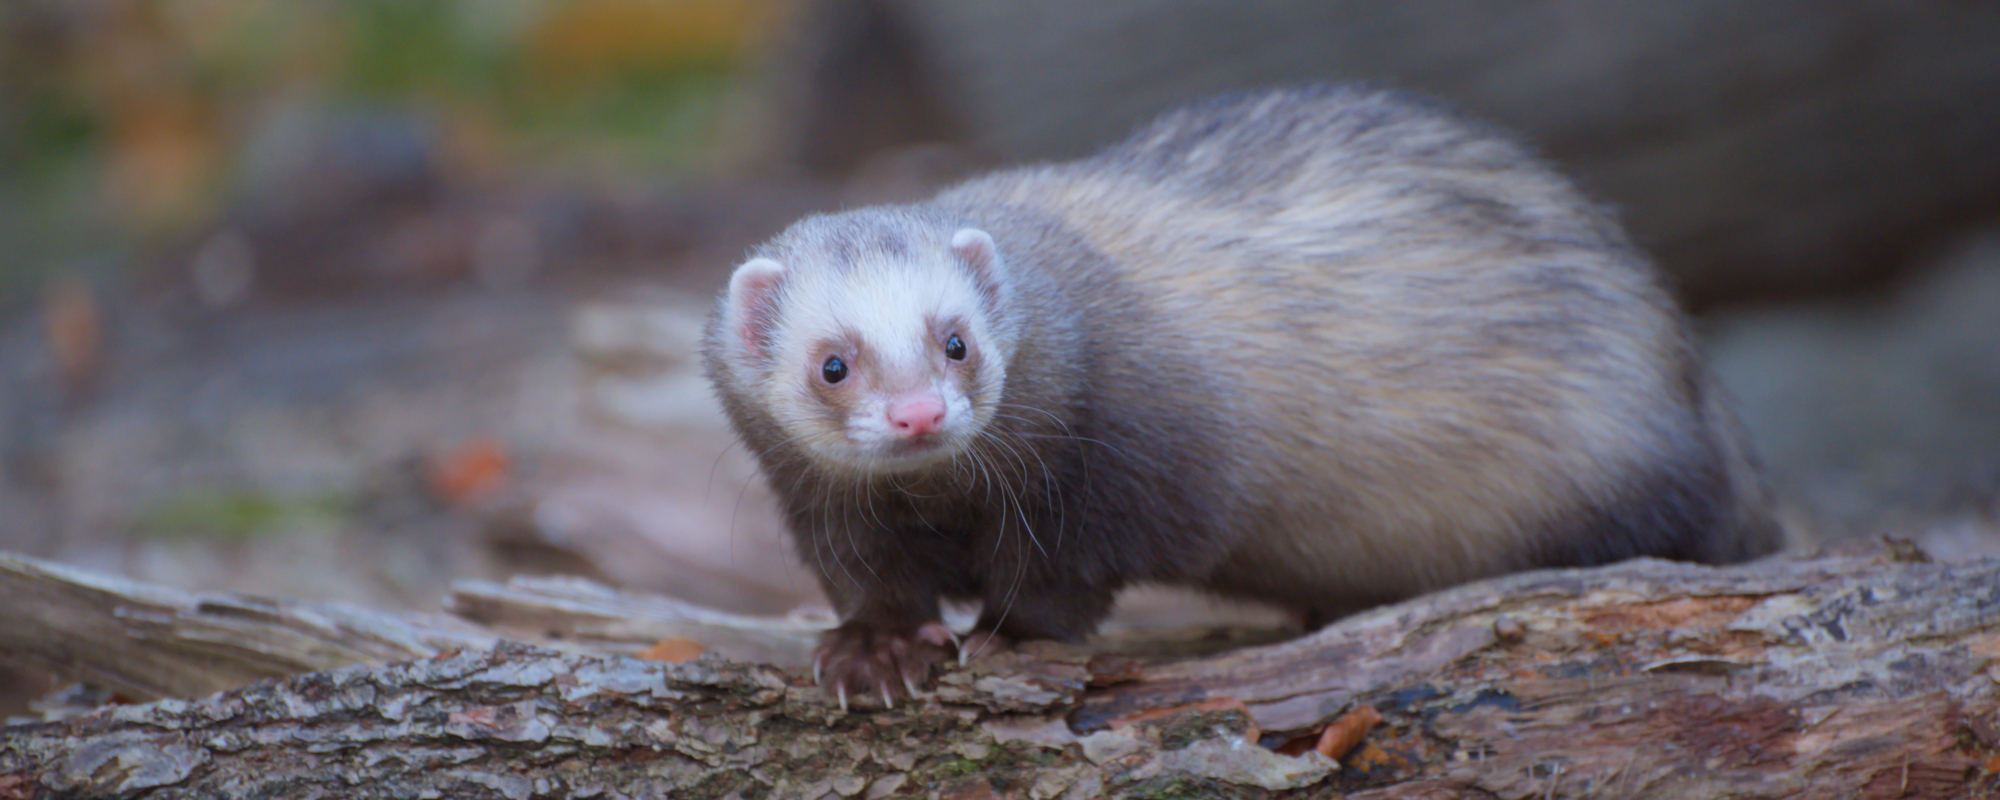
1858 676
146 642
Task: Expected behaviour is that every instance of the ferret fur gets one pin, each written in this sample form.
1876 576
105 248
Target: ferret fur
1324 347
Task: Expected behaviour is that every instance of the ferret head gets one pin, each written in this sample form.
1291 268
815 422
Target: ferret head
869 337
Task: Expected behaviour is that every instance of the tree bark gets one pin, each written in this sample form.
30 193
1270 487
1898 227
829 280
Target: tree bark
1868 676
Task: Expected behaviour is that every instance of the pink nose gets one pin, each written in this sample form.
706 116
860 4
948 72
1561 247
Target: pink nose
916 415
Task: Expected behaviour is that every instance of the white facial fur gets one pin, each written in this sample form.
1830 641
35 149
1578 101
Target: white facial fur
886 318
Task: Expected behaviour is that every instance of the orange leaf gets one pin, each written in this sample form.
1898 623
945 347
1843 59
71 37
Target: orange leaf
471 470
673 651
1346 732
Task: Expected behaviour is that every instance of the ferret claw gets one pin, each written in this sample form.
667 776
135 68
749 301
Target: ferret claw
841 692
910 685
887 701
818 662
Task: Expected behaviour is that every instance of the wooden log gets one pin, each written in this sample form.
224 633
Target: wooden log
1868 676
146 641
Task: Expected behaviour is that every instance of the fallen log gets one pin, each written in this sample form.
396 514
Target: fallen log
1868 676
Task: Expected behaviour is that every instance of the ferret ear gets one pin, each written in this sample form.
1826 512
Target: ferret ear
753 300
975 247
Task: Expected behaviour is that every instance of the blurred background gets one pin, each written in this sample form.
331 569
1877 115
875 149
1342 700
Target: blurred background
351 300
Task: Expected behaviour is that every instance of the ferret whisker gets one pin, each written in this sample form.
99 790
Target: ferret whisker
855 547
791 455
854 552
1000 536
1013 587
1027 528
736 509
908 489
822 544
1066 434
961 470
1060 423
736 512
985 474
1083 453
709 485
1019 508
990 471
867 492
1051 489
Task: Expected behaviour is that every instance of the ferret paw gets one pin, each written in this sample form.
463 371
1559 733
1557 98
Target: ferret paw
865 660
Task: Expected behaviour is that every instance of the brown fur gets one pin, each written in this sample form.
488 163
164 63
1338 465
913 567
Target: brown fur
1323 347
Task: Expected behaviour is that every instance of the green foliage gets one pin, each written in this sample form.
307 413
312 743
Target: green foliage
237 516
122 124
402 46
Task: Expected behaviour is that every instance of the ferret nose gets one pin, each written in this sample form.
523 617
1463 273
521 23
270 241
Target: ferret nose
916 415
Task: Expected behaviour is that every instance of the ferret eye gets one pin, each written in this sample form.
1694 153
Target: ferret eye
954 348
834 370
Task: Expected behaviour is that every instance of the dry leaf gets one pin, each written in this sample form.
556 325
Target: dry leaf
472 470
673 651
1344 733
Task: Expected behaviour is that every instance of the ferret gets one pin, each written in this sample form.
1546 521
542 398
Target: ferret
1323 347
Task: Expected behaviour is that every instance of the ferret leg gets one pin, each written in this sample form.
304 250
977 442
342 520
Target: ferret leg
890 634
